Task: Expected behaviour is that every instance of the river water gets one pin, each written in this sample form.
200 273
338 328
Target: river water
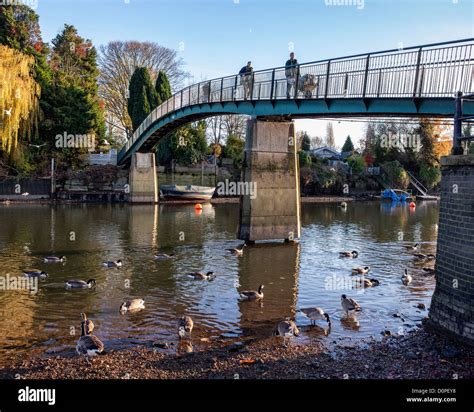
309 273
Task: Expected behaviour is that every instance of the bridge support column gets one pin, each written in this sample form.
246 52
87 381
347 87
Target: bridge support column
143 179
452 307
271 168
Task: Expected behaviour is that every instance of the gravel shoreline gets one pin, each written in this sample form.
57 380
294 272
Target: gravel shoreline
421 354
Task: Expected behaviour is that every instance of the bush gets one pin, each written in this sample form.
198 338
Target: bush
234 149
305 159
357 164
430 176
396 174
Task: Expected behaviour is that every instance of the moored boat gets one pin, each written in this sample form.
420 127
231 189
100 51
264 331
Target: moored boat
187 192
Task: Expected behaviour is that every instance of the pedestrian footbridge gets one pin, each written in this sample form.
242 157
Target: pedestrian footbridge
415 81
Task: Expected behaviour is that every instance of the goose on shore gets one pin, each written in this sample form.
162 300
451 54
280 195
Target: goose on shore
361 270
132 305
202 275
287 329
112 264
80 284
349 304
164 256
54 259
315 314
412 247
252 294
35 273
239 251
406 278
89 325
185 327
89 345
354 254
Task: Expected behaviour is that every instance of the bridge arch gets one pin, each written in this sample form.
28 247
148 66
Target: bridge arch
416 81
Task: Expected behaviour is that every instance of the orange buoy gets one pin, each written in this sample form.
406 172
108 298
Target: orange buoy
198 206
412 204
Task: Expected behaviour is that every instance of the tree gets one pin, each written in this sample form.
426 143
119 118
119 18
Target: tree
234 149
72 104
143 97
316 142
330 140
118 61
305 142
18 102
19 28
162 87
427 154
356 163
348 145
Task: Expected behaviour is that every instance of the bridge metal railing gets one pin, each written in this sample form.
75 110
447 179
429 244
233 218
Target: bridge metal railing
433 70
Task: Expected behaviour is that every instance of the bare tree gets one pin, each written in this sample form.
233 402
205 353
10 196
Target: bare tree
330 140
117 62
221 127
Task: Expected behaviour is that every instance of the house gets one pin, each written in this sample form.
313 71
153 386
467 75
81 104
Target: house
326 152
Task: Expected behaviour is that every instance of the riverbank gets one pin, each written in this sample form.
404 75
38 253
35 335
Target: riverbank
218 200
418 355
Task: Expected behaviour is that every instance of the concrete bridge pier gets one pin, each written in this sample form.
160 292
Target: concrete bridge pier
143 179
270 210
452 305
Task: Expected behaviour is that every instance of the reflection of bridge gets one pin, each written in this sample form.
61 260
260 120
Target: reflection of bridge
416 81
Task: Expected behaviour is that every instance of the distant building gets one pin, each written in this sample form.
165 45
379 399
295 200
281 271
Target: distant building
326 152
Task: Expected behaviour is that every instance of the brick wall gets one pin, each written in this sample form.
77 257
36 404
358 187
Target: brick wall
452 305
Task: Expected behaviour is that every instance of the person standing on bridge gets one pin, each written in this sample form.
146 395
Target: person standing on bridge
291 73
246 79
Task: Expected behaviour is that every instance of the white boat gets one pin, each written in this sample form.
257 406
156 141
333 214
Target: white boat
187 192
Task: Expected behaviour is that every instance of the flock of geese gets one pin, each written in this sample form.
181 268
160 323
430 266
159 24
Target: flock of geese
90 345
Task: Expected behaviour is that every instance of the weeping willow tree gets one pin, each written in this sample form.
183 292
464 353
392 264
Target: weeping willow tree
19 102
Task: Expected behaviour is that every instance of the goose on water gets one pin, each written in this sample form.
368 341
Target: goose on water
80 284
112 264
252 294
132 305
315 314
185 327
349 304
35 273
54 259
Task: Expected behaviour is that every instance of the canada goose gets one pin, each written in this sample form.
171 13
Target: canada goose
315 314
429 271
54 259
252 294
406 278
132 305
110 264
239 251
80 284
164 256
349 304
89 325
35 273
352 254
185 327
366 283
287 329
361 270
202 275
412 247
422 256
89 345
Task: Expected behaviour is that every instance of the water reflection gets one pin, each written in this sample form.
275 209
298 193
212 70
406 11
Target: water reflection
294 275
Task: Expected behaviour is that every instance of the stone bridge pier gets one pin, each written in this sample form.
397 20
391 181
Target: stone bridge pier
271 210
143 179
452 305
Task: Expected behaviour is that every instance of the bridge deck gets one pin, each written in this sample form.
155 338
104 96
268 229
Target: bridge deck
417 81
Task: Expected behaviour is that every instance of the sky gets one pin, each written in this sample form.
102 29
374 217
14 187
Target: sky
217 37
